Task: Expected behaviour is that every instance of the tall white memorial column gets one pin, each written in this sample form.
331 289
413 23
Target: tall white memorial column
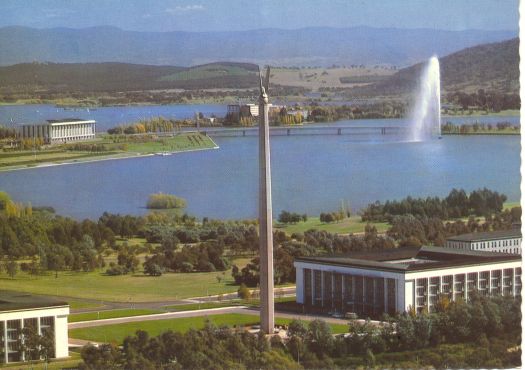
265 214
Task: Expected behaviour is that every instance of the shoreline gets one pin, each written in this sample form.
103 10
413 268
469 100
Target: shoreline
108 158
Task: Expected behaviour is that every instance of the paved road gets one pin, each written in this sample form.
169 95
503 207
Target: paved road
199 313
159 305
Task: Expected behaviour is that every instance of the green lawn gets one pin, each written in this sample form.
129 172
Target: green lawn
510 205
116 333
351 224
78 304
110 314
180 142
123 288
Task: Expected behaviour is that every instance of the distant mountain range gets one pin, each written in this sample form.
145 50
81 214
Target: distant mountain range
493 66
321 46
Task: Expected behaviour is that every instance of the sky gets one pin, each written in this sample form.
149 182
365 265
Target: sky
235 15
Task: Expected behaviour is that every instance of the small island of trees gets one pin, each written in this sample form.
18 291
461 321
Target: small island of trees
165 201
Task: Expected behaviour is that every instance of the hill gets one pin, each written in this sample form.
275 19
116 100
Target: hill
493 66
125 77
320 46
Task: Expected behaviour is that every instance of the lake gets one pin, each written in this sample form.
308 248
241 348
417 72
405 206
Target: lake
310 174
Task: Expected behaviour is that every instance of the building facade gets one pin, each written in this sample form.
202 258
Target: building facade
19 311
503 241
402 279
60 131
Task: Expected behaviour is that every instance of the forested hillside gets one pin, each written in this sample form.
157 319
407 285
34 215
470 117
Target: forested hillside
125 77
492 67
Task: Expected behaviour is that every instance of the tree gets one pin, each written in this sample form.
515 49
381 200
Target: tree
151 267
320 338
11 268
243 292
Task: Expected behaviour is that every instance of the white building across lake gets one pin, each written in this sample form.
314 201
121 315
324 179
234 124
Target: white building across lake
505 241
60 131
22 310
397 280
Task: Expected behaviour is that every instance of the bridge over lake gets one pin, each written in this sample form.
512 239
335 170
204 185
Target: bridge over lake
308 130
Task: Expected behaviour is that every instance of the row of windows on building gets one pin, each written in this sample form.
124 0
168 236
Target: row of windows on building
12 337
463 286
337 292
488 245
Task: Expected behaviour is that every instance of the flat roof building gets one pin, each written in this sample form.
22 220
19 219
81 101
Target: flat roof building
41 314
60 131
505 241
401 279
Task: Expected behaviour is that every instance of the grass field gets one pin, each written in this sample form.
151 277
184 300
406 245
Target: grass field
116 333
110 314
78 304
123 288
180 142
352 224
510 205
314 78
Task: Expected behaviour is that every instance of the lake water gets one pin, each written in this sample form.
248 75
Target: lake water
310 174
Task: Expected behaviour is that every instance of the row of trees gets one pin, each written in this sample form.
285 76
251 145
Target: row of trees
205 257
286 217
482 333
477 127
488 100
332 216
481 202
152 125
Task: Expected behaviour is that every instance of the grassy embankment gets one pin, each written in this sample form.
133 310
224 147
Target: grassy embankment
116 333
505 131
124 148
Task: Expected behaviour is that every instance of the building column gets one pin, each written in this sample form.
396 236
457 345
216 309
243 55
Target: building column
22 339
385 294
501 281
453 287
312 281
5 342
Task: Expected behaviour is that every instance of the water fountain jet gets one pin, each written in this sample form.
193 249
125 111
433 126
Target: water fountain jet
426 117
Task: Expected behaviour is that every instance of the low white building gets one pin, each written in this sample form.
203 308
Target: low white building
399 279
41 314
60 131
505 241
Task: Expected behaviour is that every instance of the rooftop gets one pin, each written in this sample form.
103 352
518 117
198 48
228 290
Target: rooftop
68 120
489 235
10 300
413 259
